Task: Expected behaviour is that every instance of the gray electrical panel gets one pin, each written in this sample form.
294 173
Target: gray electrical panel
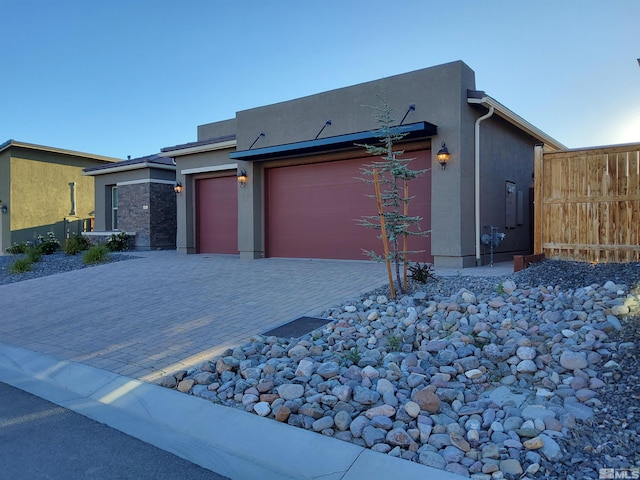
510 205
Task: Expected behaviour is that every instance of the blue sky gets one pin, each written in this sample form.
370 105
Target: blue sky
128 77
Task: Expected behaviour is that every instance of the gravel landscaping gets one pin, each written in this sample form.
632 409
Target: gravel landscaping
534 375
49 265
531 375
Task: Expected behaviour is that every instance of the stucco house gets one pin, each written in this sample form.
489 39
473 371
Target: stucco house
42 190
281 180
136 196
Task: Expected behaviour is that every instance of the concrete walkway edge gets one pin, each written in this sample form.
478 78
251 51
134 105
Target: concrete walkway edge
227 441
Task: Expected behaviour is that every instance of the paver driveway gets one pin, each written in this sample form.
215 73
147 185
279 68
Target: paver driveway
165 311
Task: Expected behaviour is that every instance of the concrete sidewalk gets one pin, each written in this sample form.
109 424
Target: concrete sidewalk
92 339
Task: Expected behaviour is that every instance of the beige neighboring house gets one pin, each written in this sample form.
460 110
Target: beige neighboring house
42 190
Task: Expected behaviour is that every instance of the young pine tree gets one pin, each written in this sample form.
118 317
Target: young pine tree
393 176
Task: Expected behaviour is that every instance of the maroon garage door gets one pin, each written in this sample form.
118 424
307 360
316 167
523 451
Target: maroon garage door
217 215
312 210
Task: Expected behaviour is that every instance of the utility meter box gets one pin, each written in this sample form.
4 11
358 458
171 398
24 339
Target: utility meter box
510 205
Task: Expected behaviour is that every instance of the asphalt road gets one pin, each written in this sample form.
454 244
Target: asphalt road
40 440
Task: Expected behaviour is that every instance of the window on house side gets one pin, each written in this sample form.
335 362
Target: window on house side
114 208
72 195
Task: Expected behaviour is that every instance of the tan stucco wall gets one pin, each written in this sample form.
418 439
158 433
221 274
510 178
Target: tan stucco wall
40 193
5 230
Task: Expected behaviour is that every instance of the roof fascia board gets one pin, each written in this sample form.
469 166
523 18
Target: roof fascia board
199 149
517 120
125 168
210 168
336 141
62 151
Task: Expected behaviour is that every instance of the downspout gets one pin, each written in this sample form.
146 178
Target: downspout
477 179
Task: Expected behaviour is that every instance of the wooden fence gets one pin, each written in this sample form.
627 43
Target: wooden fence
587 204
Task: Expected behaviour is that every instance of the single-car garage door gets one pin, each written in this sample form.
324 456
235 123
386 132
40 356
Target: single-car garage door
217 215
312 210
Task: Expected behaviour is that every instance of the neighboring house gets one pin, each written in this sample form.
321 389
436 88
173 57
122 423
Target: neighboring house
42 190
137 196
302 197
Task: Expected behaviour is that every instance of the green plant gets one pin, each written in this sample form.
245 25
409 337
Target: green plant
48 243
421 273
18 248
76 244
394 342
118 242
499 288
33 253
353 356
95 254
21 265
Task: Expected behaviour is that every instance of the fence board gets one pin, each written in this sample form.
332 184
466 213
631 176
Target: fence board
587 204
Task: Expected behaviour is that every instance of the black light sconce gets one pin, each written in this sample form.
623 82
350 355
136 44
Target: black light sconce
412 108
326 124
257 138
178 187
242 178
3 207
443 156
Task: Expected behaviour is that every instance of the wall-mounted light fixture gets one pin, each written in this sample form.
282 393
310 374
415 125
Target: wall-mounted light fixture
242 178
326 124
443 156
3 207
412 108
178 187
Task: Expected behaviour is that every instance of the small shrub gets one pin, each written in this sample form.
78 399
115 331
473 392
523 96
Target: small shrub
21 265
499 288
118 242
48 243
422 273
353 356
18 248
33 253
394 342
76 244
95 254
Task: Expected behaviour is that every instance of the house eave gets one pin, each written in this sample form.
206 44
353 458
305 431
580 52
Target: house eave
125 168
515 119
198 149
32 146
419 129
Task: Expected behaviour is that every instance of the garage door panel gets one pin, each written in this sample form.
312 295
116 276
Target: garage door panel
217 215
313 210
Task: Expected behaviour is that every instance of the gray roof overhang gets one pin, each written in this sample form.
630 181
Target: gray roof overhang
411 130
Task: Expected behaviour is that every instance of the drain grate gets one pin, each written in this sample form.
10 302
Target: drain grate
298 327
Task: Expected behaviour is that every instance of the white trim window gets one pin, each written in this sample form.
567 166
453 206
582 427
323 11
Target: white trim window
114 207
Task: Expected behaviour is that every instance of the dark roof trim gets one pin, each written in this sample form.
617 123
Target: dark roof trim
209 141
420 129
149 161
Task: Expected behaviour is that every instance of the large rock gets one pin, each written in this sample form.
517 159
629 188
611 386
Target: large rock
427 400
365 396
290 391
328 370
573 360
432 459
398 437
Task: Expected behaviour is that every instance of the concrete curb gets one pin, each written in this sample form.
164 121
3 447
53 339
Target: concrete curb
227 441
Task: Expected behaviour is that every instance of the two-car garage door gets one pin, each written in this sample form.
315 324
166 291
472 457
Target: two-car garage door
312 210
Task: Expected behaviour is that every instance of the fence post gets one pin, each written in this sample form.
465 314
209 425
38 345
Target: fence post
538 185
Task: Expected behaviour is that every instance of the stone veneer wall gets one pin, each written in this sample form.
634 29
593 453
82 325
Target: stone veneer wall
163 219
149 209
